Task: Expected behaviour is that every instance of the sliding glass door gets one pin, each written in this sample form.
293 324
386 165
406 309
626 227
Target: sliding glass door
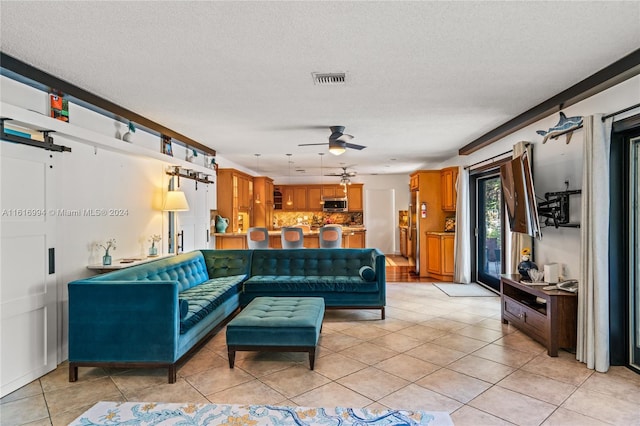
488 231
634 251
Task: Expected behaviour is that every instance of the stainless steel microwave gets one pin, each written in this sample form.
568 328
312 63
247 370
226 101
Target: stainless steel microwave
335 205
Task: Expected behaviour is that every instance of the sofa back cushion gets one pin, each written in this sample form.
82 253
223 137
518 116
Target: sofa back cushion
225 263
307 262
188 269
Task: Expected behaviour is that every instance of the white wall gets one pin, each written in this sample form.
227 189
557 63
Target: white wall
556 162
399 184
129 187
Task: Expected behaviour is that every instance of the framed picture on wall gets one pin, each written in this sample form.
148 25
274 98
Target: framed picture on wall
166 145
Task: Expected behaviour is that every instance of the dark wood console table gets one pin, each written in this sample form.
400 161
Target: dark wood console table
548 316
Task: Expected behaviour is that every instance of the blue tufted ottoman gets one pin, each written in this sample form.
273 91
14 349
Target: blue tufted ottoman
287 324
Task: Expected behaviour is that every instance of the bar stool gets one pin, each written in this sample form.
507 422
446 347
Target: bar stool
292 238
330 236
258 238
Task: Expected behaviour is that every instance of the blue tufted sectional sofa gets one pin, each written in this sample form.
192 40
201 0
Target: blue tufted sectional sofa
155 314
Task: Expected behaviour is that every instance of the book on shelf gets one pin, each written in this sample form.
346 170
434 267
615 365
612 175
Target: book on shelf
23 132
59 108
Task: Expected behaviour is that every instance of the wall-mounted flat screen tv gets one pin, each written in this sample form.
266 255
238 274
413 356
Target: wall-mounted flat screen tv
519 196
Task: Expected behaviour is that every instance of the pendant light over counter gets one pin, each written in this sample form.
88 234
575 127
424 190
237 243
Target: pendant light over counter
321 179
257 199
289 200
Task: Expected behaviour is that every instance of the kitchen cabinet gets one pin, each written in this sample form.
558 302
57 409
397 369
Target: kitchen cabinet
235 198
414 182
333 191
277 198
297 195
309 197
300 198
275 241
429 195
263 202
353 239
231 242
314 199
440 255
244 186
448 178
354 195
311 241
548 316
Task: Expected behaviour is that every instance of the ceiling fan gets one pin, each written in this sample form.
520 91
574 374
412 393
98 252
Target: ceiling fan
338 141
344 173
344 176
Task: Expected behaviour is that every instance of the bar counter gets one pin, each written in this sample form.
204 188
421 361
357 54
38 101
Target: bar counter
352 237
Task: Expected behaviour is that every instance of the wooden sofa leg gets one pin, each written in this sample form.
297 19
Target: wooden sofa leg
382 312
173 373
312 357
232 357
73 372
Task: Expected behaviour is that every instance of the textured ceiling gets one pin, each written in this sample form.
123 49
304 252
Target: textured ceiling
423 78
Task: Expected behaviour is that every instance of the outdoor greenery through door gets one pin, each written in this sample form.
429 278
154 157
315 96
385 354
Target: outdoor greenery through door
489 233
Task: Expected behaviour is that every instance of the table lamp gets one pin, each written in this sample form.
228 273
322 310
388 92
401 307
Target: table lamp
175 201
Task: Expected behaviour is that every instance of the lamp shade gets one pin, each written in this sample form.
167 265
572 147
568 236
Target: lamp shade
176 201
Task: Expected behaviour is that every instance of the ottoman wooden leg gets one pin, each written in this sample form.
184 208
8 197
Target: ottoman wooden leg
312 357
232 357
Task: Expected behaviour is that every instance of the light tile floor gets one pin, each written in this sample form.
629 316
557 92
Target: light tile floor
433 352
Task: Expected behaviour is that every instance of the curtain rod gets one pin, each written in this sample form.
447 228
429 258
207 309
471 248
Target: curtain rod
620 112
604 117
488 159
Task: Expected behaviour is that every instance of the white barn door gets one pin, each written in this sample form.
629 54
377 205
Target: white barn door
28 296
195 222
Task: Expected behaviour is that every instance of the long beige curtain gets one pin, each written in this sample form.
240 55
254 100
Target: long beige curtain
462 262
518 240
593 288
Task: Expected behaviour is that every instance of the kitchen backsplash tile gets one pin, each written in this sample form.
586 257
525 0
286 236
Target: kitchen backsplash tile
281 219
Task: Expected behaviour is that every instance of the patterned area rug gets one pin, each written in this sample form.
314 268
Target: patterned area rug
151 413
465 290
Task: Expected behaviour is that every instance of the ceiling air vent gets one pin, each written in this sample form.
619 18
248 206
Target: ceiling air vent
323 79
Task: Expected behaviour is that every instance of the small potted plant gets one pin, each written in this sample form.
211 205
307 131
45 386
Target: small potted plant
128 137
153 250
110 244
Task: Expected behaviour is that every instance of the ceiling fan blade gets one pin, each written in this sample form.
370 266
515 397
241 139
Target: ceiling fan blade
344 138
354 146
311 144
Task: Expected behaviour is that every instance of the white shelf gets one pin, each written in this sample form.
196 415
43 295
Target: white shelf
118 264
36 121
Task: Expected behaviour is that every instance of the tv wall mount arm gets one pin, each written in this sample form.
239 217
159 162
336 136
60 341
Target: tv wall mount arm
555 208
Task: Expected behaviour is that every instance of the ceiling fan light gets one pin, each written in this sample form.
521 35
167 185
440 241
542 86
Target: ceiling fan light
337 149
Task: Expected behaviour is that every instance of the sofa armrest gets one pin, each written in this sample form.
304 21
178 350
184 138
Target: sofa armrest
378 261
123 321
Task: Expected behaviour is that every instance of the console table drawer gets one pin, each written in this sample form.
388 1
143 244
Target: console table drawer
526 315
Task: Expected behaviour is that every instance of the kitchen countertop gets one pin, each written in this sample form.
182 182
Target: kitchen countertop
439 233
275 232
